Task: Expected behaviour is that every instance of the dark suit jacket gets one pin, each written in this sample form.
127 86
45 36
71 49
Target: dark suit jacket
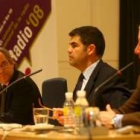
131 109
114 92
19 101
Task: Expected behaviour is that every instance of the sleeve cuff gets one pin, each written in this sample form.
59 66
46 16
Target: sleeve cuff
118 120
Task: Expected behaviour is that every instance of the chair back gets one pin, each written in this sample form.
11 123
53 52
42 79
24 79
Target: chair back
53 94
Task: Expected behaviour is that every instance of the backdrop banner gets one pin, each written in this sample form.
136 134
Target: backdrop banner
20 23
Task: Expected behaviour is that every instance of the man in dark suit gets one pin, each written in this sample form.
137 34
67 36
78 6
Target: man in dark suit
129 113
86 49
17 102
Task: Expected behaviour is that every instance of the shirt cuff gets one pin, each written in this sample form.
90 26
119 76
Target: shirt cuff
118 120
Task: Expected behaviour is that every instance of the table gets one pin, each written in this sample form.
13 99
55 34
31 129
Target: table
19 134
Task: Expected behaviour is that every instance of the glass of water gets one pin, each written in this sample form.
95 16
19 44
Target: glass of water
40 116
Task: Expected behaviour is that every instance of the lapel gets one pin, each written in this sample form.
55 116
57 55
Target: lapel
91 82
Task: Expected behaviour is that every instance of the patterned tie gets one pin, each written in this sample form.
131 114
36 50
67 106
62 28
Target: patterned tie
78 86
3 100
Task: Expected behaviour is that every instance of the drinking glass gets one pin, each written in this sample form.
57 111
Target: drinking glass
41 116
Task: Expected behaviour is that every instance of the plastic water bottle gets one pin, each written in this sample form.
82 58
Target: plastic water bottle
69 116
80 106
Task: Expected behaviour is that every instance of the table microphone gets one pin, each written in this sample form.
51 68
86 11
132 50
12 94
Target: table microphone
19 79
110 78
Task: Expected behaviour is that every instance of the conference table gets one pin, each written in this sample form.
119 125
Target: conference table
61 133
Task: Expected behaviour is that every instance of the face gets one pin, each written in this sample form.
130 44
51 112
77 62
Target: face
6 69
78 53
137 48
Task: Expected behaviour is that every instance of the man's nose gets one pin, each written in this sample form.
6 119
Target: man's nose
69 49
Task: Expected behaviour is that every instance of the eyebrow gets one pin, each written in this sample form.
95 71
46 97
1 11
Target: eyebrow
72 43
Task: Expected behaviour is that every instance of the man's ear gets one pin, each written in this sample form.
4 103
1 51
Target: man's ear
13 63
91 49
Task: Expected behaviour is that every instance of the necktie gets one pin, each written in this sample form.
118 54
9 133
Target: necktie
78 85
80 81
2 100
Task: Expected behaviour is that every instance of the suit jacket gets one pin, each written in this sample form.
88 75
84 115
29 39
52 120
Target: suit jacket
20 99
115 92
131 109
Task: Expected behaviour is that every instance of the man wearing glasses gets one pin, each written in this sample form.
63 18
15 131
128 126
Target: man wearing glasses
17 101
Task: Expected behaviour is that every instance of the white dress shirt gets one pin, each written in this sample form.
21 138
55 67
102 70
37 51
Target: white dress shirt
87 73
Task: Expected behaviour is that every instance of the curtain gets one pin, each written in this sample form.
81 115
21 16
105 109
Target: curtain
129 22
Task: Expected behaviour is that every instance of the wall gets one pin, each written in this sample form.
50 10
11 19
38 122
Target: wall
74 13
49 51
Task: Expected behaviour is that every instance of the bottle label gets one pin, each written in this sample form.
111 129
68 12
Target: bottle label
69 117
78 110
65 110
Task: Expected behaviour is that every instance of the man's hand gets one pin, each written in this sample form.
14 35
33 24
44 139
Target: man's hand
106 117
58 115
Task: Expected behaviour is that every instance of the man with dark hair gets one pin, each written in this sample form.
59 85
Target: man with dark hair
86 49
85 52
17 102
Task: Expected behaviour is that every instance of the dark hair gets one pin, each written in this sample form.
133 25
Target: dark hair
90 35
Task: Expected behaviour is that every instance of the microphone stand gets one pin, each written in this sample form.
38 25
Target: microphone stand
25 76
110 78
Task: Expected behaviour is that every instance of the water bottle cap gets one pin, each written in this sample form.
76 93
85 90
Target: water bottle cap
81 93
69 95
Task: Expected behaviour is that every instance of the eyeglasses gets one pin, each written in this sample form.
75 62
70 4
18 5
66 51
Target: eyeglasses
4 64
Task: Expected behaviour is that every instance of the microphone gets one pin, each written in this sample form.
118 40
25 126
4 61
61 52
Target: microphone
19 79
110 78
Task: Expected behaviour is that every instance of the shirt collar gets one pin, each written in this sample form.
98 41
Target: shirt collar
88 71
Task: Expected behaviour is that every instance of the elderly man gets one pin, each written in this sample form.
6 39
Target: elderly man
17 102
